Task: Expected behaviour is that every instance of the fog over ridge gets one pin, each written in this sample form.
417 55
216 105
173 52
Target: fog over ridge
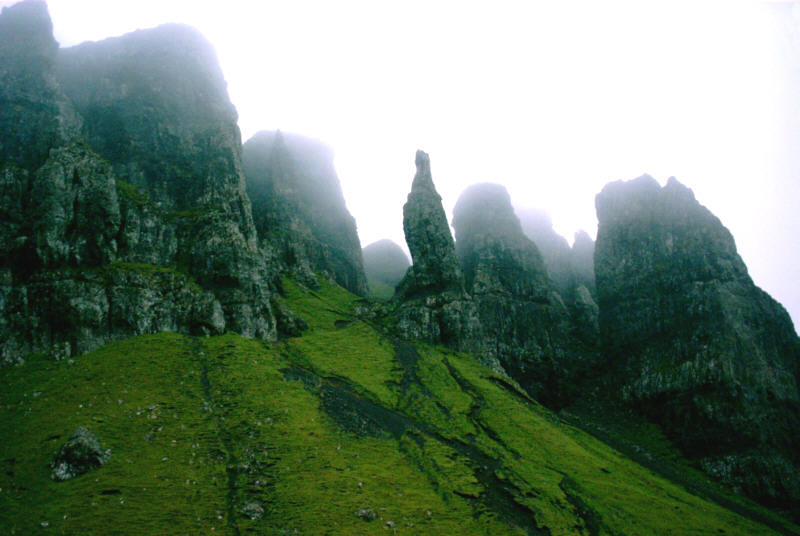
551 101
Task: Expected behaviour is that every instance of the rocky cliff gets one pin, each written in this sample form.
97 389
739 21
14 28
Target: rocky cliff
581 262
523 318
554 249
571 270
124 209
430 302
693 343
299 210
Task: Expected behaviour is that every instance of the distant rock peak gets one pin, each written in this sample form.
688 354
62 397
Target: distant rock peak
423 178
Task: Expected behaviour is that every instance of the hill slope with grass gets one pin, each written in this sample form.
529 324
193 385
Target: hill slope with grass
341 431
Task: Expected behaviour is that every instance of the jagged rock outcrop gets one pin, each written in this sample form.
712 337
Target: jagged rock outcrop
693 343
155 105
525 322
430 301
81 454
571 270
554 249
145 228
299 210
385 265
435 267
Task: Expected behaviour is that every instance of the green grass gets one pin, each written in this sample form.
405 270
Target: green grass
132 193
313 430
379 290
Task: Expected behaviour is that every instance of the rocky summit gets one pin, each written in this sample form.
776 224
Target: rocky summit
554 249
571 271
522 316
693 343
435 267
299 210
430 302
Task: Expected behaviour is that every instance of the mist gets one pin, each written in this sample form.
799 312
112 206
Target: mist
552 101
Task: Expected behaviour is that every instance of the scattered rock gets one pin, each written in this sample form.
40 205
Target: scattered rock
79 455
253 510
367 514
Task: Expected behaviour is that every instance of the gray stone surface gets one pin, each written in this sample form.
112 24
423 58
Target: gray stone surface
146 227
524 321
693 343
299 209
79 455
435 267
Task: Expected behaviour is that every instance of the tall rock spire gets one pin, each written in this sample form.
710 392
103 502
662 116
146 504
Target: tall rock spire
435 267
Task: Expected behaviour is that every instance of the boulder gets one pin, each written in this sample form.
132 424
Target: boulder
81 454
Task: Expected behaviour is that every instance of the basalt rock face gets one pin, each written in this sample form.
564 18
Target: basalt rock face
522 316
299 210
98 244
554 249
571 270
385 263
431 303
435 267
581 262
155 105
693 342
34 115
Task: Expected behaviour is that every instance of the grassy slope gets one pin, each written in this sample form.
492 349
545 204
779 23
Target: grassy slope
314 429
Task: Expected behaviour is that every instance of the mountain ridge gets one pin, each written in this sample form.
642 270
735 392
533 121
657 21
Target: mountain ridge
130 207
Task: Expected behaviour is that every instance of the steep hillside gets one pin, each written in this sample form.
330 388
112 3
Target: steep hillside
341 431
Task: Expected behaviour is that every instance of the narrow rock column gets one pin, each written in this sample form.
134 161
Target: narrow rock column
433 254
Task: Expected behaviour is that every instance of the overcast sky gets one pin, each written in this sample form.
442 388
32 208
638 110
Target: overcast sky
551 99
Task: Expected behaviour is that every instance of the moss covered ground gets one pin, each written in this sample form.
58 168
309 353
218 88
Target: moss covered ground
341 431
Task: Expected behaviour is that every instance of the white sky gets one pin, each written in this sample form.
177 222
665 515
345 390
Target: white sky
551 99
